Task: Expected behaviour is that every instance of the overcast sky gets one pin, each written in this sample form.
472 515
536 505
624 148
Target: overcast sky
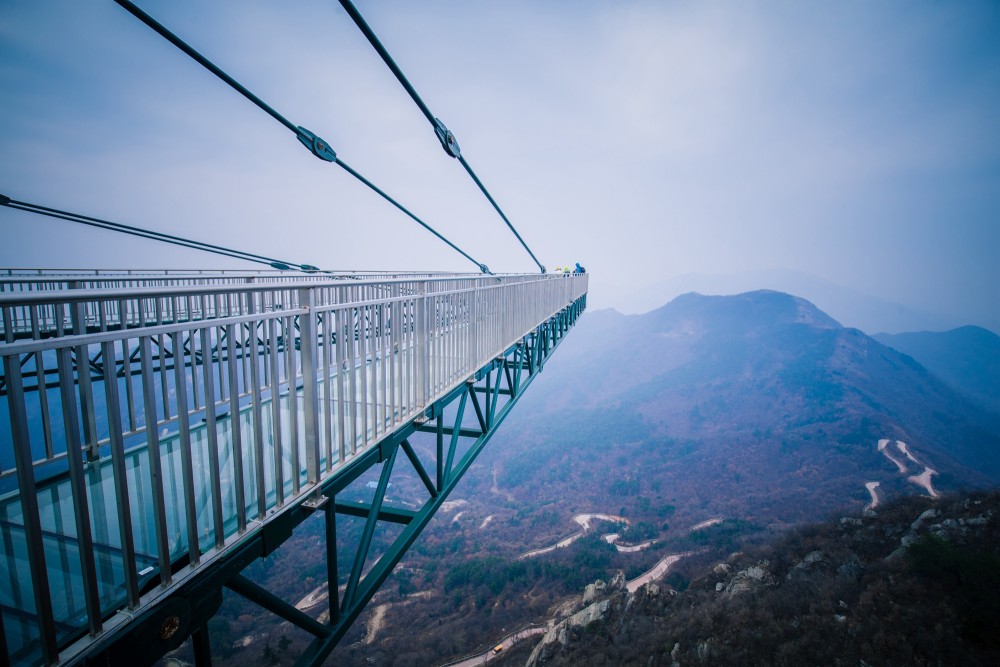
858 142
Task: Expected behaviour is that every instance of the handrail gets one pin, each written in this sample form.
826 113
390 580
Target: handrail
80 295
66 310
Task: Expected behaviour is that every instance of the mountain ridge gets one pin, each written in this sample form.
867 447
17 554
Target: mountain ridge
765 371
966 358
848 305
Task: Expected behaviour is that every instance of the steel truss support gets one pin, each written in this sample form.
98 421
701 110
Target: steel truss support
462 421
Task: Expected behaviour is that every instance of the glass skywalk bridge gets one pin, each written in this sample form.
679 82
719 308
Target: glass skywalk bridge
149 431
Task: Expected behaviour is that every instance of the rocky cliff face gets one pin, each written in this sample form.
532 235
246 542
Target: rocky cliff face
614 598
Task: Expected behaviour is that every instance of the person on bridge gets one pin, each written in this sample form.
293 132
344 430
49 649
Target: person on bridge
579 269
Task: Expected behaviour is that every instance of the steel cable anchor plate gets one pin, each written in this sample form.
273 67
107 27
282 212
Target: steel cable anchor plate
318 146
447 139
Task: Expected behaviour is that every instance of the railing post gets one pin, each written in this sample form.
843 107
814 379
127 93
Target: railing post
423 349
310 367
472 363
78 316
35 548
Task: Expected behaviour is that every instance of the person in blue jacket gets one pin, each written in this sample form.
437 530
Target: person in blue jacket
579 269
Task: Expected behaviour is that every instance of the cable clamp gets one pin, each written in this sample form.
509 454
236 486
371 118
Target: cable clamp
4 200
447 139
318 146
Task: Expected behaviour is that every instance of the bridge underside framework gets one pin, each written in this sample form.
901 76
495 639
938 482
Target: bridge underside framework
163 433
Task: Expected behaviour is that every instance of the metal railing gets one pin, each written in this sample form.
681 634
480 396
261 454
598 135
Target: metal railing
144 426
58 303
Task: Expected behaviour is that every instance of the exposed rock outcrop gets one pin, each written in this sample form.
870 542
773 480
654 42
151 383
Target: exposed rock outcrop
751 579
562 633
594 591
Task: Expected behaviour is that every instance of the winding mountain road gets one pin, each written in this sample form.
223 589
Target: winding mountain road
923 479
584 522
505 644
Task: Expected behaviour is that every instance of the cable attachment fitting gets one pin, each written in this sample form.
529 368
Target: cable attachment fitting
318 146
447 139
485 269
4 200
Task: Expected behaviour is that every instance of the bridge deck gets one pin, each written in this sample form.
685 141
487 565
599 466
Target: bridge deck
121 469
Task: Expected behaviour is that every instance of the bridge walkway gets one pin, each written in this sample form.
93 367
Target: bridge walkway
183 419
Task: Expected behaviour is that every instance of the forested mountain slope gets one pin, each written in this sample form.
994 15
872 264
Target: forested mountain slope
916 584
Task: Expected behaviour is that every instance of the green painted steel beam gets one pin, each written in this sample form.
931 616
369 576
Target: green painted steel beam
268 600
447 430
390 514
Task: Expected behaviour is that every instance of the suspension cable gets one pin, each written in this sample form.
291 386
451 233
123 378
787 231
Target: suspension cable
156 236
315 144
444 135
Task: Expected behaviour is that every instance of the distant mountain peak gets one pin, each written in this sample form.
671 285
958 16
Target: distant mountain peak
759 308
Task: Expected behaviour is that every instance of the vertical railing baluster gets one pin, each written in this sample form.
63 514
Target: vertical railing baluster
375 339
473 360
421 347
24 464
352 405
120 477
127 376
78 489
279 477
78 316
248 349
196 354
395 408
258 426
383 361
184 443
341 355
164 387
8 324
327 399
364 334
293 402
309 359
43 397
217 353
235 430
146 361
211 431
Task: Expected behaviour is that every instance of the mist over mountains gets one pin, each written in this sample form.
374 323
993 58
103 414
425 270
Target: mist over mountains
850 307
758 402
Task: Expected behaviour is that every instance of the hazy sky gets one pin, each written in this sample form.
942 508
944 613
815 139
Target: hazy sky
858 142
